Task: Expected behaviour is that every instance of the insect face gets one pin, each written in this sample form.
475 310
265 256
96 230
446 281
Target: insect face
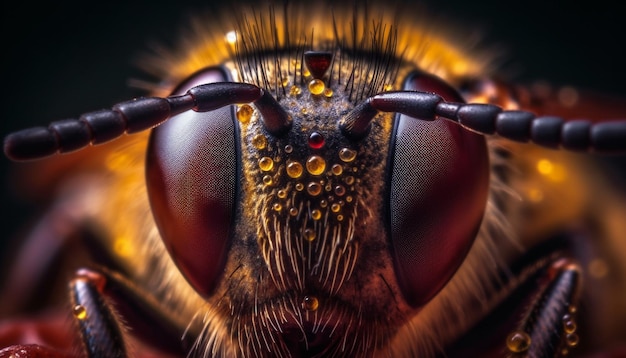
349 204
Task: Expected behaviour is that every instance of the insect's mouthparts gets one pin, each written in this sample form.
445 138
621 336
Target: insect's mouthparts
305 340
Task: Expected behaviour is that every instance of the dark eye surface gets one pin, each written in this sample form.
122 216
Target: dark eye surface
438 191
191 171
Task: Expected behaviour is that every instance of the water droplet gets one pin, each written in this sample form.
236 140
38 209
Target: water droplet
267 180
277 207
310 303
328 93
347 155
288 148
282 194
266 164
340 190
572 339
79 312
294 169
317 87
339 217
316 140
349 199
299 186
569 326
337 169
244 113
259 141
335 208
314 189
323 203
293 211
315 165
518 342
309 235
349 180
316 214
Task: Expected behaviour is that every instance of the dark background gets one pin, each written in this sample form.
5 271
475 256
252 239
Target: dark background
63 59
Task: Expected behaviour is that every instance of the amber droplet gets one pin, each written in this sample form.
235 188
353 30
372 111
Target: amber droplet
282 194
337 169
316 140
347 155
316 165
309 235
277 207
259 141
310 303
244 113
518 342
349 180
299 186
328 93
79 312
572 339
294 169
293 211
314 189
267 180
340 190
266 164
316 214
318 62
569 326
335 208
317 87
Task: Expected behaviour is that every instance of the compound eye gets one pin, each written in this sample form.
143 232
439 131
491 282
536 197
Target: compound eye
192 176
438 193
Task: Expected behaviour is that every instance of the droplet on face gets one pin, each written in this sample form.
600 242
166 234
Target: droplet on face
347 154
569 326
293 211
571 339
288 148
316 140
310 303
337 169
315 165
277 207
328 93
266 164
340 190
244 113
299 186
349 180
259 141
518 341
267 180
295 90
335 208
316 214
79 312
294 169
316 87
309 235
314 189
282 194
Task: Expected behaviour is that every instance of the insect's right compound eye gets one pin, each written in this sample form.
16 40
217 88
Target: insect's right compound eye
438 191
191 175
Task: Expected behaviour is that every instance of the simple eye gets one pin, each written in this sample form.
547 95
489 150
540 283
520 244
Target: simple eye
438 191
192 167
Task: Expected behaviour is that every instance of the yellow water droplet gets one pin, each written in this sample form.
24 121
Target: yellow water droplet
349 199
282 194
518 342
285 82
277 207
299 186
335 208
294 169
295 90
569 326
259 141
293 211
244 113
339 217
79 312
316 214
328 93
314 189
571 339
349 180
340 190
337 169
315 165
304 111
310 303
309 235
266 164
388 87
323 203
316 86
347 155
267 180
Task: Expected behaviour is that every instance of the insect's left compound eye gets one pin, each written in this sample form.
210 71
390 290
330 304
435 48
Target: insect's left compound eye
438 192
192 184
